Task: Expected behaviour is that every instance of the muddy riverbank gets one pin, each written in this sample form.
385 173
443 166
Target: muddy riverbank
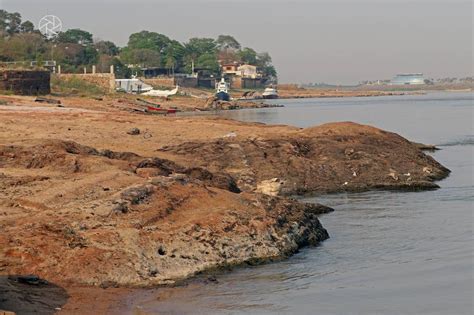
105 198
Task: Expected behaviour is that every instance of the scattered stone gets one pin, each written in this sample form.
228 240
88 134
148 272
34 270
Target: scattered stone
74 240
161 250
108 284
134 131
120 207
182 178
426 147
427 169
137 194
148 172
161 180
230 135
348 151
393 174
47 100
31 279
271 187
212 279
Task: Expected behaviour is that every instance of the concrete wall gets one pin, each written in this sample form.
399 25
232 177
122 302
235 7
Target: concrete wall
209 83
104 80
171 81
245 83
235 82
25 82
251 83
187 82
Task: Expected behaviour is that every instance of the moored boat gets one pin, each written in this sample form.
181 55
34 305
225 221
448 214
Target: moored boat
159 110
222 90
270 93
133 85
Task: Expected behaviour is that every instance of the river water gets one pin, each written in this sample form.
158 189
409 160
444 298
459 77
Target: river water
389 252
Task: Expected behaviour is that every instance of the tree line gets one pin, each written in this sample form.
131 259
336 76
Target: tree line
76 48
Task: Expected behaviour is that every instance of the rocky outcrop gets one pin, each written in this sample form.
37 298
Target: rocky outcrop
74 214
329 158
96 220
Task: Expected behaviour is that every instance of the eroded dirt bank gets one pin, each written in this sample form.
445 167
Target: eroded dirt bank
86 200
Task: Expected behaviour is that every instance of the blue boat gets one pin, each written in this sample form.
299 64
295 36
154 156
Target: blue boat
222 91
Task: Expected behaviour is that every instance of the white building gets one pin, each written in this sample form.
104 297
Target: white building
408 79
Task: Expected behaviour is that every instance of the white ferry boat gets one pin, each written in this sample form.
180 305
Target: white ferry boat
270 93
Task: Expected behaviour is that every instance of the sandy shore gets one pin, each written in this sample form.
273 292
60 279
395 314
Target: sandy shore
322 93
93 205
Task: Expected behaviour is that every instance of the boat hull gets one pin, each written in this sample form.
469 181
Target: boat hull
158 110
223 96
270 96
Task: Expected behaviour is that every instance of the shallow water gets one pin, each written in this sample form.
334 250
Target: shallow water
389 252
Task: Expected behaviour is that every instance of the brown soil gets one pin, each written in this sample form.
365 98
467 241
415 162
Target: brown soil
86 202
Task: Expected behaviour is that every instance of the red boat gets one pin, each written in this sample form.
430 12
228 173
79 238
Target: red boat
161 110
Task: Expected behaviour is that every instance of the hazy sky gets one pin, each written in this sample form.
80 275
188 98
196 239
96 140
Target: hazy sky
333 41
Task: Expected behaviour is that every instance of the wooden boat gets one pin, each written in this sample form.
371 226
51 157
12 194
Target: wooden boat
157 110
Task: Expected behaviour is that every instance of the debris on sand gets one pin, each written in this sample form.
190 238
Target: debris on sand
133 131
47 100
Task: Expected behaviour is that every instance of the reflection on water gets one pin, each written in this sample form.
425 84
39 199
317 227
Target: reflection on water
389 252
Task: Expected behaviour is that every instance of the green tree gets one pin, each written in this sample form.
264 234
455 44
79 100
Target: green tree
3 22
27 27
140 57
209 61
225 42
121 71
107 48
264 65
73 55
170 63
22 47
248 56
173 55
153 49
75 36
148 40
198 47
201 46
263 59
10 22
89 56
